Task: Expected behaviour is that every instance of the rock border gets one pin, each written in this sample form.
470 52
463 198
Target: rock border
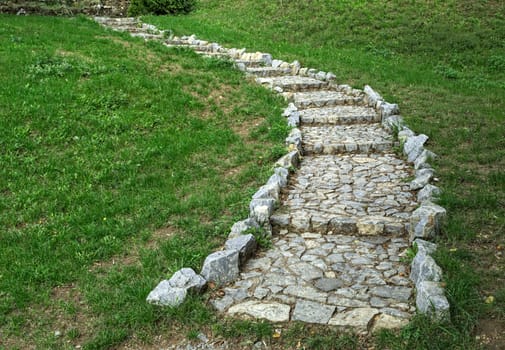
223 266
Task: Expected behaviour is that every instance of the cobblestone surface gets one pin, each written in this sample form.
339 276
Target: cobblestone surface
339 231
324 98
339 115
331 139
320 276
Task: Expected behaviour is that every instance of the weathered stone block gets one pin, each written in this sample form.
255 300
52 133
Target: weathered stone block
424 268
413 147
393 122
428 193
387 109
358 318
166 295
241 226
273 312
221 267
290 160
188 279
423 177
312 312
261 209
424 158
270 190
245 245
431 300
371 96
425 221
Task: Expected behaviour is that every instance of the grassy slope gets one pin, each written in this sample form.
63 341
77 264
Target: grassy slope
444 63
109 147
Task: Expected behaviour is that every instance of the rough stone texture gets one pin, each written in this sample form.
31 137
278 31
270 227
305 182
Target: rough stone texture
428 193
423 159
414 146
188 279
346 138
424 268
240 227
388 109
289 161
339 115
425 247
312 312
245 245
221 267
385 321
431 300
359 318
274 312
342 217
423 177
166 295
426 220
372 97
314 99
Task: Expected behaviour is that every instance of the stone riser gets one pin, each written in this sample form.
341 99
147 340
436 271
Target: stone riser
351 101
354 148
365 226
265 72
339 120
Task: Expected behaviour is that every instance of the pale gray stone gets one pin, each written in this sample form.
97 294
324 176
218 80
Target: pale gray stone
372 97
425 247
394 292
245 245
273 312
305 292
385 321
423 177
425 221
306 271
428 193
312 312
260 209
404 134
413 147
387 109
270 190
424 268
188 279
328 284
359 318
166 295
424 158
240 227
431 300
393 122
221 267
223 303
282 176
290 160
330 76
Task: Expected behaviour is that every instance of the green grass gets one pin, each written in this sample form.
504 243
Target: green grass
121 162
444 63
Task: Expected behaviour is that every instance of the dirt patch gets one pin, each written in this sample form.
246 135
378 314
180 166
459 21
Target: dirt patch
490 333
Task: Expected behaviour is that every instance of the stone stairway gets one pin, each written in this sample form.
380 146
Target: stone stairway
342 222
339 231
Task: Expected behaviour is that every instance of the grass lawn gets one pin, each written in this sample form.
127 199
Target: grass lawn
122 161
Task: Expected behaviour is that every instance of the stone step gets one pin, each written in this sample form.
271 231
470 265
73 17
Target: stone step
336 139
339 115
324 98
117 21
147 36
268 71
293 83
348 194
342 281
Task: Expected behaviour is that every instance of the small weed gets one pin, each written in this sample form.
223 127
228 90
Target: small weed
262 238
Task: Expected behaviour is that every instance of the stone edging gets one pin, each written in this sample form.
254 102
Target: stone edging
222 267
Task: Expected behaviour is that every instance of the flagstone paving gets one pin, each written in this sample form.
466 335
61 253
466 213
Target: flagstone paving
341 225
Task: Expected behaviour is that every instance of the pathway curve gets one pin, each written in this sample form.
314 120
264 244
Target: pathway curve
341 227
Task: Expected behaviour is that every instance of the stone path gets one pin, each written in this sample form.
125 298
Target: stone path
341 226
